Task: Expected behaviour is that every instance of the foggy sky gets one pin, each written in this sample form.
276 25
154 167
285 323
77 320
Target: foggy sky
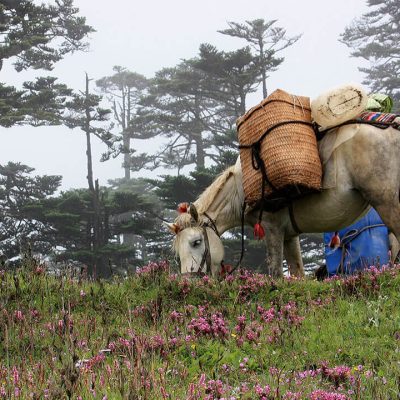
145 36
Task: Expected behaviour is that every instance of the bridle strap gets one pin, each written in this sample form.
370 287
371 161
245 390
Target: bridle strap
213 225
206 259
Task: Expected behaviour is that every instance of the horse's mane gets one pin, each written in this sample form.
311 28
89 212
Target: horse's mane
207 197
205 200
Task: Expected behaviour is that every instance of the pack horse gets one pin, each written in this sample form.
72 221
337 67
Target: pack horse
361 166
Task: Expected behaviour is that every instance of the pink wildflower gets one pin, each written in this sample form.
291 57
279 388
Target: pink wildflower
322 395
39 270
18 316
176 316
262 392
15 375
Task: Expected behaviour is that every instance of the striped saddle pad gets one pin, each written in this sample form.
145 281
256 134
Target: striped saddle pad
381 118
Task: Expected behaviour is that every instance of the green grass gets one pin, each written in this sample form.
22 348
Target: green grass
160 336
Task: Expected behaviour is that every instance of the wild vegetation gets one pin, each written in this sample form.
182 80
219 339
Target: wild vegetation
156 335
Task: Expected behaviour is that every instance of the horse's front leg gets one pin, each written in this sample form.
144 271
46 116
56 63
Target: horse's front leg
292 253
274 242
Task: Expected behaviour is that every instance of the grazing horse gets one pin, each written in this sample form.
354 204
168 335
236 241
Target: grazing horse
361 167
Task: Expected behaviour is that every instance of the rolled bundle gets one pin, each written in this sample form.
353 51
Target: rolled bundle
338 105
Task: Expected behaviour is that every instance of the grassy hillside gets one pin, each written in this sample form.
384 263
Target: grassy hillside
161 336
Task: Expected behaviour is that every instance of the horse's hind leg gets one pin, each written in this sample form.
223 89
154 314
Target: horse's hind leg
292 254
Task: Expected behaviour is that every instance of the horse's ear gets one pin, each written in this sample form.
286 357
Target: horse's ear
174 228
194 213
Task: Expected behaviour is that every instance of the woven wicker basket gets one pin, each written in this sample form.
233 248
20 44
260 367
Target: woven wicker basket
289 151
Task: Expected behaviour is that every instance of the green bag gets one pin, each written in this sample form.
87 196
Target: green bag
379 102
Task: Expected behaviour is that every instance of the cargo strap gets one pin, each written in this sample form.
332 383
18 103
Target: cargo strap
293 219
381 125
256 160
256 146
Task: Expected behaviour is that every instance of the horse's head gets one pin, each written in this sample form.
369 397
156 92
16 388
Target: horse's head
196 243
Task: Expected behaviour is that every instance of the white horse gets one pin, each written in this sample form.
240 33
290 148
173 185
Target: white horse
361 169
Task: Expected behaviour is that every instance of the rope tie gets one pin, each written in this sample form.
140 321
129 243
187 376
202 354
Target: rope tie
294 98
347 238
256 160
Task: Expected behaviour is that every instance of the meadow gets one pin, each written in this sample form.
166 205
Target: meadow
158 335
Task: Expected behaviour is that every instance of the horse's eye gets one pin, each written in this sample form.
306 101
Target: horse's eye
196 243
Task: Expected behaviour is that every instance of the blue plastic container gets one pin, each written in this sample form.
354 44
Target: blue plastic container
363 244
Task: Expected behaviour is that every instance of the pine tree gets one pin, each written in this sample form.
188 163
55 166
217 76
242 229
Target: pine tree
179 109
45 101
267 40
86 114
233 75
173 190
124 90
375 37
71 216
38 35
137 216
40 102
11 111
22 209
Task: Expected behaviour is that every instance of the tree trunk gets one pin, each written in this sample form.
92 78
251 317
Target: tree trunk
127 157
242 105
98 267
125 122
263 73
264 82
99 238
88 143
198 137
200 158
